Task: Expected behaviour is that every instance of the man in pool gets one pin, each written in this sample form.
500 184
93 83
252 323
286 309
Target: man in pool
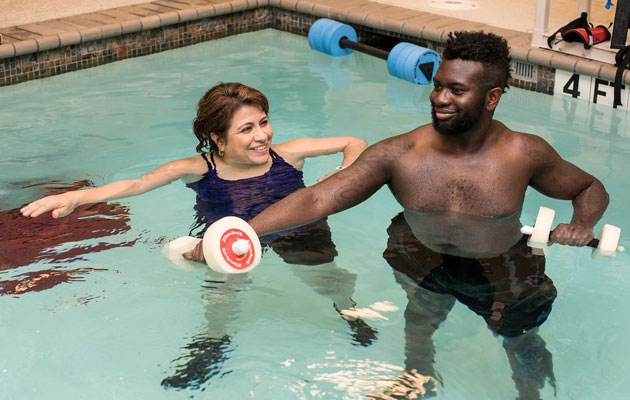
465 162
461 181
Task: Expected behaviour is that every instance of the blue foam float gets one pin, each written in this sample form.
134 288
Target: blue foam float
413 63
325 35
406 61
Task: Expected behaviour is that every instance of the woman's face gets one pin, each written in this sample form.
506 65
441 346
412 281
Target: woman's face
248 137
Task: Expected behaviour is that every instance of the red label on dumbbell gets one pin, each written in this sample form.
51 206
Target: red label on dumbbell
235 261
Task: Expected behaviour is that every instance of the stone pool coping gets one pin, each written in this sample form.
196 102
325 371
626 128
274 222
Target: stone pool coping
29 40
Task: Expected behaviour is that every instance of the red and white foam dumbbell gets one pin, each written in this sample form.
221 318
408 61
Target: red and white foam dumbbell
606 244
230 246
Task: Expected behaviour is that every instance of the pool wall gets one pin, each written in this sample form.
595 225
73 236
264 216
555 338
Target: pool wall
53 47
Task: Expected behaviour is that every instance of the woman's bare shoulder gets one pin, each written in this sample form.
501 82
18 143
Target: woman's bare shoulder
191 168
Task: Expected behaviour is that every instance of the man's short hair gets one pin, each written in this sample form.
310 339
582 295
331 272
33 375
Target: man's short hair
487 48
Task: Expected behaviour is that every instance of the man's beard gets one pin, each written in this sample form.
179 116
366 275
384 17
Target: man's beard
458 124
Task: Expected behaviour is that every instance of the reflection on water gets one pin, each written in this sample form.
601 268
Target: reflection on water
24 241
510 291
42 280
311 253
353 377
464 235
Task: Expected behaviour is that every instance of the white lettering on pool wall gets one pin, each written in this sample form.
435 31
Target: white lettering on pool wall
585 87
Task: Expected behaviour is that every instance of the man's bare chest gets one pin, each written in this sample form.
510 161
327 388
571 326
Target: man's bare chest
479 188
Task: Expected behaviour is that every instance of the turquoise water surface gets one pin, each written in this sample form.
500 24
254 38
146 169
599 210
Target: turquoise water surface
91 309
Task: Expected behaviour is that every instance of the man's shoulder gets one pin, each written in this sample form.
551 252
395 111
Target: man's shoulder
392 147
516 138
396 140
412 138
530 140
528 145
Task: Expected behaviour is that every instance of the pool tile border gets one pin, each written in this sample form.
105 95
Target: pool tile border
47 48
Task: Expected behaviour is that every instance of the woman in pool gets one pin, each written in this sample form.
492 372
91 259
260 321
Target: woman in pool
238 172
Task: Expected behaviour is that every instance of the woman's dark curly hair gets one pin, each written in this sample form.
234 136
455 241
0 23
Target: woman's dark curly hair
216 108
487 48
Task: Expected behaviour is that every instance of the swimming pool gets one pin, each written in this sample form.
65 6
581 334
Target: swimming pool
102 314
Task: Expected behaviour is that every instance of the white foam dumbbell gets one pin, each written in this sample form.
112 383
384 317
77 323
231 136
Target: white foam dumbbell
539 234
607 243
230 246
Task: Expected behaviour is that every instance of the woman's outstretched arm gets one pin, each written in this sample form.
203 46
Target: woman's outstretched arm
63 204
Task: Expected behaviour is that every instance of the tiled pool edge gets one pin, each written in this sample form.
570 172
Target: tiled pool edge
70 51
42 62
92 53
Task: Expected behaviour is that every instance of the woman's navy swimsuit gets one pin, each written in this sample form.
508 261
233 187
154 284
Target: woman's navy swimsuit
246 198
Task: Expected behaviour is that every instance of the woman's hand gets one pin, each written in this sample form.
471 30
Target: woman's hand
196 254
60 204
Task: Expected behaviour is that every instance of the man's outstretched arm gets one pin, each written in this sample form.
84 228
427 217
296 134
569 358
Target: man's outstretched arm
341 191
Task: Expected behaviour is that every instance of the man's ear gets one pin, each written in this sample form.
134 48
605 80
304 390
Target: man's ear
492 98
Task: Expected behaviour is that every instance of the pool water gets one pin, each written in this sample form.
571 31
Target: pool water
91 308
